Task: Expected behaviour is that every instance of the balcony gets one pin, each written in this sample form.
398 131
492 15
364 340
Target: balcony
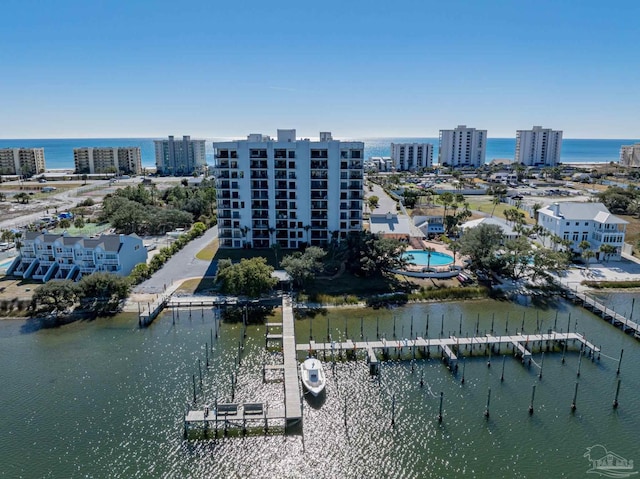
258 153
262 164
318 195
319 154
260 205
319 165
257 175
259 195
280 164
259 214
318 185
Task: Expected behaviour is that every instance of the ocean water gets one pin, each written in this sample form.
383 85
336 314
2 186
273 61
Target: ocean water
59 152
106 399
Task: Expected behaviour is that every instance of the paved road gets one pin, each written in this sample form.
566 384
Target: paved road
182 265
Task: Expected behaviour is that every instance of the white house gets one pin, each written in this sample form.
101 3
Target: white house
507 230
45 256
579 222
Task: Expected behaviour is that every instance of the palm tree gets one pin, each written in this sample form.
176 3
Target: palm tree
536 207
608 250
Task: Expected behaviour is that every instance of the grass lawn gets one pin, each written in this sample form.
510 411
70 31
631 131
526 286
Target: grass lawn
209 252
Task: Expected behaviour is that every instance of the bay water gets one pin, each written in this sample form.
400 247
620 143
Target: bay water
105 399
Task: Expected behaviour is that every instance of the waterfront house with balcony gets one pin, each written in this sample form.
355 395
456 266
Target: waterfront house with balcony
577 222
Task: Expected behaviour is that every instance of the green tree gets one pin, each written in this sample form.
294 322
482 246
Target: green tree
517 254
368 254
139 273
79 222
64 223
373 201
303 267
103 292
545 262
22 198
54 297
250 277
480 244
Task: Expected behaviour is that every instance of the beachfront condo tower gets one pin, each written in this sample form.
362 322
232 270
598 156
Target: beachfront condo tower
411 156
124 160
630 155
462 148
21 161
538 147
288 192
180 157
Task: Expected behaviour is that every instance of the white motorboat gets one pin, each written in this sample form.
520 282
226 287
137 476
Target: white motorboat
312 376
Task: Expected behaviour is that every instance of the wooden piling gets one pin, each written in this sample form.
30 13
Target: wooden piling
533 395
486 411
194 388
619 362
575 396
504 359
615 401
541 365
440 410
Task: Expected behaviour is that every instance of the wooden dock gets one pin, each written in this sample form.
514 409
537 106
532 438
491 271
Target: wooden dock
604 312
235 415
259 414
449 347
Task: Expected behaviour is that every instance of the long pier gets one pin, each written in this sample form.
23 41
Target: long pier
605 313
449 347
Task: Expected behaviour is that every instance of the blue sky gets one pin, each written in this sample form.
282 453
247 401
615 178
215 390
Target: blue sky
130 68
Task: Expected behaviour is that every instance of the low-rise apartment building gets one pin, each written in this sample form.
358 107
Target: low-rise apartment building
46 256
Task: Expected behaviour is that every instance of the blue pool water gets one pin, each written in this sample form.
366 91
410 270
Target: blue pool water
421 258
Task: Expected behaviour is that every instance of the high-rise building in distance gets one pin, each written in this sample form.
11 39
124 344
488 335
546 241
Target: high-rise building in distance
538 147
286 191
180 157
462 147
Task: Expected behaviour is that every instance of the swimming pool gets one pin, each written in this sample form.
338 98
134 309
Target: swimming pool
421 258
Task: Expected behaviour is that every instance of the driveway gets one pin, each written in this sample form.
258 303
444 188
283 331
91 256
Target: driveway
181 266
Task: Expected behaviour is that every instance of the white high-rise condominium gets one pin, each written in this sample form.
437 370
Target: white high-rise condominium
123 160
411 156
462 147
539 147
286 191
180 157
22 161
630 155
